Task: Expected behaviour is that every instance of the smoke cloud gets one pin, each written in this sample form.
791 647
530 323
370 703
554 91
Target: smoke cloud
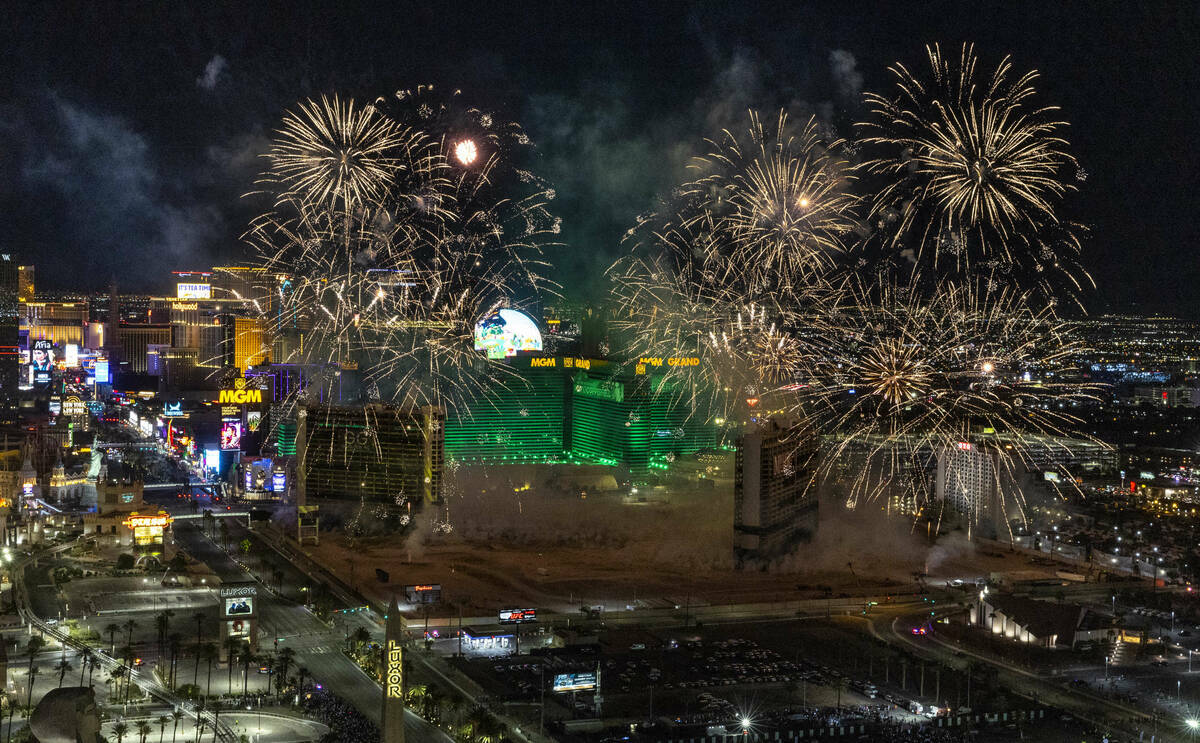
116 201
212 72
846 77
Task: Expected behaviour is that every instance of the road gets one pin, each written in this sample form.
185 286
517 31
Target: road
317 646
895 629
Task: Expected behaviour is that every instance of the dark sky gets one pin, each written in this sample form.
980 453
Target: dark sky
130 130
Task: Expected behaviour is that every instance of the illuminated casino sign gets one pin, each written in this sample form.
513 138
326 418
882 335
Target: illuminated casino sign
240 394
156 521
395 670
505 333
646 362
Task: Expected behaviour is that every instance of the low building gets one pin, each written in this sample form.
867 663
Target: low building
1050 625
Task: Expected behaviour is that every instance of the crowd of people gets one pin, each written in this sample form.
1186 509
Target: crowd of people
344 720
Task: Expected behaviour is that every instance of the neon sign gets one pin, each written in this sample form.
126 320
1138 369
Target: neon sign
151 522
239 397
395 670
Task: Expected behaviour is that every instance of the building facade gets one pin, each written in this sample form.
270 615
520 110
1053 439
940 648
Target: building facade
774 496
380 453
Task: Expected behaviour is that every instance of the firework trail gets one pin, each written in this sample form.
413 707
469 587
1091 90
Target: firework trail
970 174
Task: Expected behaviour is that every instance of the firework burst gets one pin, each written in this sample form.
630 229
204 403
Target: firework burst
770 209
388 255
972 172
906 378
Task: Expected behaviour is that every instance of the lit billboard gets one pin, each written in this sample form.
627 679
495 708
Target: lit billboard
231 435
505 333
239 606
41 361
427 593
193 291
517 616
575 682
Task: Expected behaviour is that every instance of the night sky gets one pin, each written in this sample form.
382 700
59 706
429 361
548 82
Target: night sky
131 130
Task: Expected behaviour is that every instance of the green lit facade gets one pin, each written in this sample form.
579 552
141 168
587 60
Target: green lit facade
583 410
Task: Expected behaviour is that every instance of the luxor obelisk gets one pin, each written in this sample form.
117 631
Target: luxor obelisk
393 677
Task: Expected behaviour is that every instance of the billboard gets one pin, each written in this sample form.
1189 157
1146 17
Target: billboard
575 681
239 606
253 420
278 481
212 460
505 333
102 376
193 291
231 435
173 409
516 616
41 361
71 357
428 593
239 628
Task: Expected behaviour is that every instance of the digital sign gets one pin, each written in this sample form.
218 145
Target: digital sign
239 628
173 409
279 482
102 375
505 333
41 361
395 670
212 459
71 357
193 291
239 606
428 593
517 616
575 681
253 420
231 435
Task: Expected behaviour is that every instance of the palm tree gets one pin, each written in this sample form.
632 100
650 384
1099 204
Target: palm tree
87 660
247 656
209 651
224 528
143 729
112 630
176 716
173 642
33 673
283 662
301 675
120 730
358 638
232 646
62 667
199 617
129 626
216 708
162 726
